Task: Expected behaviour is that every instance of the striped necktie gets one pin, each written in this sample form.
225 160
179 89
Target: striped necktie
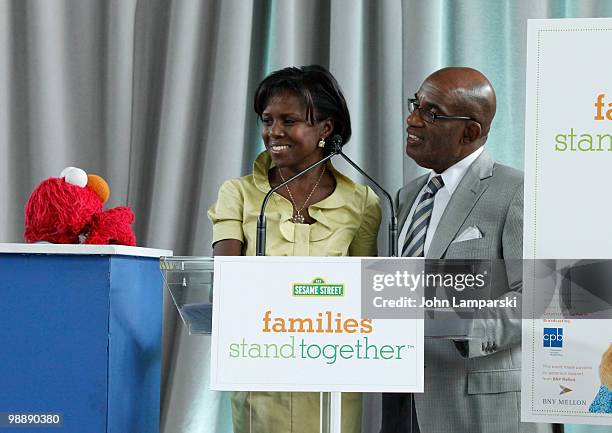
414 246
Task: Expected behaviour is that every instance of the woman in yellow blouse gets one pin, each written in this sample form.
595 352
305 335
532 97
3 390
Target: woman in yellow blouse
322 213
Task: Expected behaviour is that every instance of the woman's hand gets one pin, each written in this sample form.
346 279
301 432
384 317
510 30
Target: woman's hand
227 247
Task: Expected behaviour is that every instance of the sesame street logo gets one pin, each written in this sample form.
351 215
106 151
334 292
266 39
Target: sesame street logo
318 287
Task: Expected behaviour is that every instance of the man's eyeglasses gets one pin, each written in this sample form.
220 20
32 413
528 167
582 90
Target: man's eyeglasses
430 116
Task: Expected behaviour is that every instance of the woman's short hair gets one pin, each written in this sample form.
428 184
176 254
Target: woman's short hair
605 368
319 91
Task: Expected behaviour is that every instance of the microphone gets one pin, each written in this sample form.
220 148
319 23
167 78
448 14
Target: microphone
392 218
260 242
336 149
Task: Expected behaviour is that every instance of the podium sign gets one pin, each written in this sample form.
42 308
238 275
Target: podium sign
295 324
568 155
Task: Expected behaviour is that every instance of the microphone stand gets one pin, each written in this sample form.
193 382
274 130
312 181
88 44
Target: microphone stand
336 142
330 401
392 223
260 243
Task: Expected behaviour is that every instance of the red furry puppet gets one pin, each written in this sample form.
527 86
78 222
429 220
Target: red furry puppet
68 210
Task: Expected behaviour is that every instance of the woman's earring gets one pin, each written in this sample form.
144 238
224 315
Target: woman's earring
321 143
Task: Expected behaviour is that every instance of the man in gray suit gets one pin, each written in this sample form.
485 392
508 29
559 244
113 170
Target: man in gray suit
467 207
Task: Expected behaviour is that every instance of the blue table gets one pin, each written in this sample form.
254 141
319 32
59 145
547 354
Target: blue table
80 335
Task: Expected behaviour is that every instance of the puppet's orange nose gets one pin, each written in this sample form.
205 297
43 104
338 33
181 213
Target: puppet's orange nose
99 186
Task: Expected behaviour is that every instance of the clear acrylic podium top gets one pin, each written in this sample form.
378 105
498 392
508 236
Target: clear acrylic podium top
190 281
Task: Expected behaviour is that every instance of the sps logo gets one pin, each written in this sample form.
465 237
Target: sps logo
553 337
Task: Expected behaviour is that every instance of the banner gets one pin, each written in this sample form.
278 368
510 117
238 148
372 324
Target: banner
296 324
567 353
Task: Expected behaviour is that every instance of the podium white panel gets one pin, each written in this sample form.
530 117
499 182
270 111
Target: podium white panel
295 324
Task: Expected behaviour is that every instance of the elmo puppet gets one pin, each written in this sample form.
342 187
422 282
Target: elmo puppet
68 210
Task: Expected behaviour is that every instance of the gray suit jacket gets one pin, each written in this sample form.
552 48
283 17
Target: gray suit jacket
475 386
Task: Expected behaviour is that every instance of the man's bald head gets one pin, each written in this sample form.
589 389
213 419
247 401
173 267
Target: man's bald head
455 109
469 92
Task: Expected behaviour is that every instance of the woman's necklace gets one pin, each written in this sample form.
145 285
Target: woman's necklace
298 218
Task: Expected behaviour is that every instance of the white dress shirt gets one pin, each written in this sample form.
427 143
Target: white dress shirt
451 177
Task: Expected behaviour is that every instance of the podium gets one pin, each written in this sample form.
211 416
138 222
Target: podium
251 292
80 328
272 312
